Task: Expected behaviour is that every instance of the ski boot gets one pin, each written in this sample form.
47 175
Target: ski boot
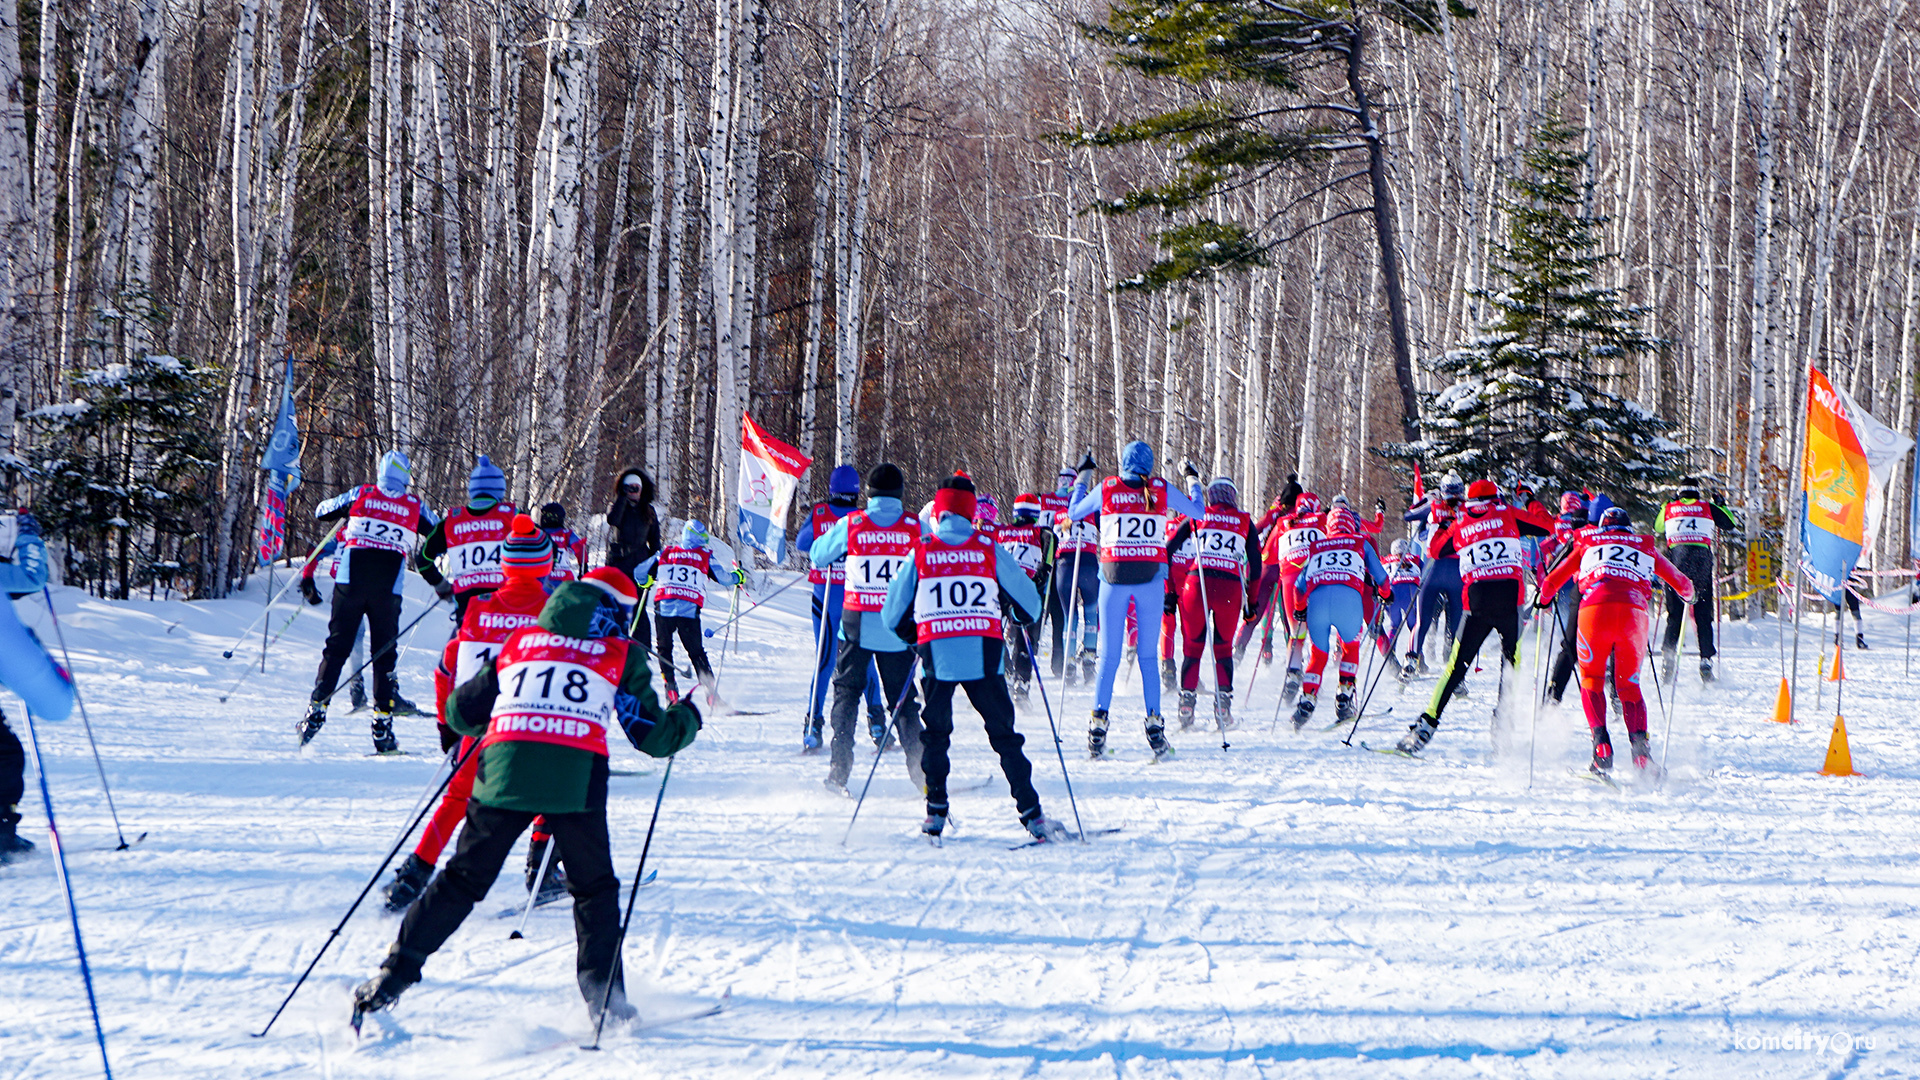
1018 687
408 882
879 731
1344 709
356 696
1303 711
1188 699
810 740
1097 735
310 724
1642 754
1045 830
1157 738
1602 755
936 823
1266 652
12 844
672 687
1860 641
1067 674
1090 667
403 707
1129 657
619 1009
1169 678
384 741
1223 710
554 885
1292 686
397 973
1706 671
1418 735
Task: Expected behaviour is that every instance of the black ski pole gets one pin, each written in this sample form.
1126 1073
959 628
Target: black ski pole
1059 753
633 896
61 635
741 615
893 723
431 803
264 612
376 654
1367 698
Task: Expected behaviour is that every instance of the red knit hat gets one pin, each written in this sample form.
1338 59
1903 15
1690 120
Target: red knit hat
528 552
955 496
615 584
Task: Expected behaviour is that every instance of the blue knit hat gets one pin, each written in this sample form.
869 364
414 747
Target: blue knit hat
845 480
1136 460
486 480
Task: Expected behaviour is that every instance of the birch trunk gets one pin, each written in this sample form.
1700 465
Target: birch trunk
236 466
559 236
16 243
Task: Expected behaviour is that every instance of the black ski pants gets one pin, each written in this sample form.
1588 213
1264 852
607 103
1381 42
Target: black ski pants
850 685
486 840
1566 623
688 627
13 769
1491 606
1695 561
369 596
995 706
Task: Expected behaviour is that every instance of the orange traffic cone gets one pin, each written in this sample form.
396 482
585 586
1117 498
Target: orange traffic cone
1783 704
1839 757
1839 669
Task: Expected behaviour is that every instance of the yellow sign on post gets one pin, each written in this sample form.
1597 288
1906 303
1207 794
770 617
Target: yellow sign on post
1763 566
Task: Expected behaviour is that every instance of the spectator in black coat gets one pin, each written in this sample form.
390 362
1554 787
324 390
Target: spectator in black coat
633 541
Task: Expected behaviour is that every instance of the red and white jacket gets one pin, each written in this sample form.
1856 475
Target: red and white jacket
382 522
876 554
1133 521
1485 537
957 593
1616 566
474 543
556 689
677 575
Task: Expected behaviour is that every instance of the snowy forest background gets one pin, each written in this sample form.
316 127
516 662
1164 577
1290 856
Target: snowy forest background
583 234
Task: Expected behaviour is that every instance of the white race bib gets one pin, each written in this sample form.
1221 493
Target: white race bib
1493 553
470 657
950 596
366 532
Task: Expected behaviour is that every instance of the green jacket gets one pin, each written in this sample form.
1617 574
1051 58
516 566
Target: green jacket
546 778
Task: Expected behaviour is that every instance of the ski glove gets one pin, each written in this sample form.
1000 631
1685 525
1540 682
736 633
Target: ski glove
443 589
1187 466
739 576
665 737
309 591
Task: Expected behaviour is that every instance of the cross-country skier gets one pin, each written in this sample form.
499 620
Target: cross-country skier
1180 556
1266 591
1440 587
1404 568
1133 510
526 559
1076 583
678 597
633 538
1031 545
1340 570
328 555
569 547
1615 568
1052 505
875 546
1484 539
1692 525
1298 532
1213 595
949 599
829 598
469 538
25 669
383 526
541 708
1566 604
986 516
1857 586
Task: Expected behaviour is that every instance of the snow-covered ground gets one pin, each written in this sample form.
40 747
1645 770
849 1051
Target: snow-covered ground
1287 908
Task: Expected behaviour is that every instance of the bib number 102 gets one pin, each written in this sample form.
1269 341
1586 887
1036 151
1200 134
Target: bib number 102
953 595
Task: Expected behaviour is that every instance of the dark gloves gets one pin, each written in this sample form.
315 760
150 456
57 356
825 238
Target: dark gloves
309 591
1086 470
1188 468
443 589
1379 506
1087 464
665 737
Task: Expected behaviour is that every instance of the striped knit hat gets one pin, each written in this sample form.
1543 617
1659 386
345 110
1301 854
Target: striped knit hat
527 553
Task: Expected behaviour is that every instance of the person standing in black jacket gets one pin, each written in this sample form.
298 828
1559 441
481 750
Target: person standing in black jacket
633 542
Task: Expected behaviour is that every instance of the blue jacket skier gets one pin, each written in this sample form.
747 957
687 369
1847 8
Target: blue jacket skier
829 597
25 669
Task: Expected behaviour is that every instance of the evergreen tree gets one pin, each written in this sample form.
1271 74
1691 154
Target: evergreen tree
1531 396
122 473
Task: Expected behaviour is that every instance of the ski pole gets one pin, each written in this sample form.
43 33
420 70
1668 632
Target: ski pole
633 895
546 860
248 672
1372 683
420 816
1061 754
377 653
1539 689
248 632
819 604
1666 740
893 722
61 636
1213 649
750 608
66 886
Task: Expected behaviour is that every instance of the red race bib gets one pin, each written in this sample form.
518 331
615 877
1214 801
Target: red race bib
957 594
556 689
876 555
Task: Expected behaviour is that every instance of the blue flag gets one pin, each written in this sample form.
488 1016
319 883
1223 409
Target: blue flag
282 456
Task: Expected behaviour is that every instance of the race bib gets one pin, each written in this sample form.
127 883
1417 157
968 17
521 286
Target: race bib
1125 535
480 557
1491 554
1690 530
1619 559
1222 550
870 576
1334 565
372 533
1299 540
470 657
1027 555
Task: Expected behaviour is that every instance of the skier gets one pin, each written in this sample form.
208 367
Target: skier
829 599
1052 505
1484 540
1403 576
875 546
540 708
633 539
1214 594
383 524
569 547
1692 526
948 598
526 560
1615 568
469 538
1078 553
328 554
986 517
25 669
1571 523
1031 545
1180 556
1266 592
1340 569
677 600
1857 586
1441 578
1298 531
1133 564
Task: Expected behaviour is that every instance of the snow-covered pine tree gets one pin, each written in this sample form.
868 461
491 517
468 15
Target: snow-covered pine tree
1531 395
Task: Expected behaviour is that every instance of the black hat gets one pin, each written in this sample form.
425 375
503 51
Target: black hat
884 481
1689 483
957 482
553 516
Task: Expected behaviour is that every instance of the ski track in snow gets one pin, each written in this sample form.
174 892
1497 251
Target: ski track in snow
1288 908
